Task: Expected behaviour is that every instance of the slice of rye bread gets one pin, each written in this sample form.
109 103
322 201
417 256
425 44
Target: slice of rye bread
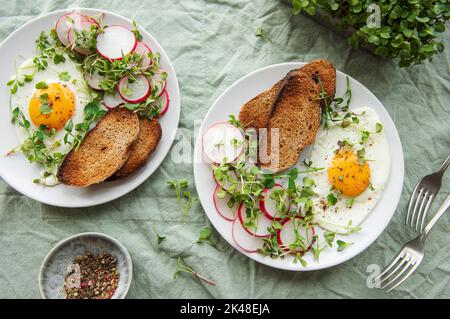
295 121
103 151
256 112
148 139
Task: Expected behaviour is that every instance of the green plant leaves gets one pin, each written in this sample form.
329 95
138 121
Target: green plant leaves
409 28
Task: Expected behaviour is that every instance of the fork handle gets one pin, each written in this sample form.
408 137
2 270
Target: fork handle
444 166
435 218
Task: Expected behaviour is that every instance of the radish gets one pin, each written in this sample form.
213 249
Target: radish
63 24
115 42
222 143
261 223
164 102
66 21
136 91
221 205
286 235
143 50
94 80
112 101
244 240
269 206
232 183
158 84
83 25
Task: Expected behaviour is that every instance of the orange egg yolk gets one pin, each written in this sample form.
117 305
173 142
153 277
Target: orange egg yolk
347 174
52 106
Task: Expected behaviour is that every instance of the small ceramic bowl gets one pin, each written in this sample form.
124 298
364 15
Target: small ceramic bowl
55 264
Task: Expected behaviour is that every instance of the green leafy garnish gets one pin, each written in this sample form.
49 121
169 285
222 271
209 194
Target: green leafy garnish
64 76
181 267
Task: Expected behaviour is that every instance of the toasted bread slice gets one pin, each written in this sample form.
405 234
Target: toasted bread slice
325 71
293 124
103 151
149 136
256 112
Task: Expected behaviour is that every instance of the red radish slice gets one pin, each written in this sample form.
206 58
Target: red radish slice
84 25
262 223
219 142
134 92
94 80
66 21
112 101
268 206
143 50
221 205
165 101
286 235
158 84
244 240
115 42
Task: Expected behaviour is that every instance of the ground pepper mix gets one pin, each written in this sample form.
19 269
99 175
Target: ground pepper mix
91 277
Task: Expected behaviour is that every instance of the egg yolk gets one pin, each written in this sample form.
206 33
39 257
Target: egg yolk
347 174
52 106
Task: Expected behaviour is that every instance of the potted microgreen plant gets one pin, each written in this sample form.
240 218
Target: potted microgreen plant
404 29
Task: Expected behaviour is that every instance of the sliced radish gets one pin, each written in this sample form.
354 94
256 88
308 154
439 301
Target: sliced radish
115 42
112 101
94 80
232 183
158 84
261 223
83 25
219 143
286 235
164 102
221 205
269 206
244 240
134 91
143 51
63 24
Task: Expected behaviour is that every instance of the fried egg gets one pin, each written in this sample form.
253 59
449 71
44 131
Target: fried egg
355 164
65 94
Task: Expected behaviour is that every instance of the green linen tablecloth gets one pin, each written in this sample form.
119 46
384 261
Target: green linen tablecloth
211 45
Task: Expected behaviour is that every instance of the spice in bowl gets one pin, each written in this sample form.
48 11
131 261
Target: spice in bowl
91 277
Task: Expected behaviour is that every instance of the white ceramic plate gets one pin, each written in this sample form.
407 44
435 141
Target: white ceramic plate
16 170
251 85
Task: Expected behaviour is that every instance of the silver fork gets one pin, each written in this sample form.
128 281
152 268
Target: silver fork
410 257
422 197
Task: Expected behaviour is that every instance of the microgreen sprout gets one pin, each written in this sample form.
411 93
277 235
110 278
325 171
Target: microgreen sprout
183 268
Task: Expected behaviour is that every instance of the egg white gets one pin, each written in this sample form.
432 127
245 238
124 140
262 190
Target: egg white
22 97
76 84
336 218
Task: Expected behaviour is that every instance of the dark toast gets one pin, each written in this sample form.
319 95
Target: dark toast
256 112
296 116
103 151
149 136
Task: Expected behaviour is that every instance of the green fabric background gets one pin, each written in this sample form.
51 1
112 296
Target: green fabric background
211 45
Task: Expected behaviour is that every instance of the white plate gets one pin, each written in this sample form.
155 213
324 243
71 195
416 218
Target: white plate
251 85
16 170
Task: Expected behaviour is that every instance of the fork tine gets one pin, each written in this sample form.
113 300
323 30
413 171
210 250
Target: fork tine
388 267
400 263
421 211
424 215
413 213
410 204
404 267
405 276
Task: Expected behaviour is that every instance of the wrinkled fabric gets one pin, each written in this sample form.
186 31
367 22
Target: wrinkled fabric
211 44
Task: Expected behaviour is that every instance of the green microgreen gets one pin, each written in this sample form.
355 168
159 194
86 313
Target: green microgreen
181 267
